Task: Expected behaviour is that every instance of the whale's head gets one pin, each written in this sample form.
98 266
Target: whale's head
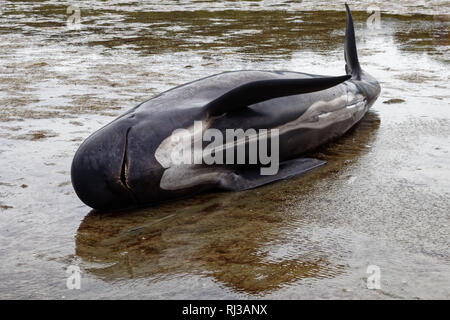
116 166
98 168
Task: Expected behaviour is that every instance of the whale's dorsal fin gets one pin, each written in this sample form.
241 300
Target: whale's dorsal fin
258 91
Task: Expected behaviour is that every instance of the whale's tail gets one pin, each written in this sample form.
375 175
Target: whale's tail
352 66
368 85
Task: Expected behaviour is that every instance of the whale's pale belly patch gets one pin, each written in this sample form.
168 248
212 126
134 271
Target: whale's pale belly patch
319 115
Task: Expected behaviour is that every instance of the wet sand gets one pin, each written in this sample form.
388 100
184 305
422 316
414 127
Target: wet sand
382 199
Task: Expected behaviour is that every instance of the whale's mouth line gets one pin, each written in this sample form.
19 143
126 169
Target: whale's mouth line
124 169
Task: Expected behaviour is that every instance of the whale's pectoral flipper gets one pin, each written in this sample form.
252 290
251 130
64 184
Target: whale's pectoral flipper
258 91
239 180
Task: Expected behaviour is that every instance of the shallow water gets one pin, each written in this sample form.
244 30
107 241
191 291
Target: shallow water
382 199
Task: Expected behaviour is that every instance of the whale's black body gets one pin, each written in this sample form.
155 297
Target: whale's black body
127 163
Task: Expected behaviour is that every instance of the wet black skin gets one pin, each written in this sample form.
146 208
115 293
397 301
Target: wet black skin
116 167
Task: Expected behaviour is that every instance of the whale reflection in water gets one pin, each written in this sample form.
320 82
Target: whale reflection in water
255 241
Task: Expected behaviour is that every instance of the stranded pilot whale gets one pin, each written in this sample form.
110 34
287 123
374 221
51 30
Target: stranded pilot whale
130 161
